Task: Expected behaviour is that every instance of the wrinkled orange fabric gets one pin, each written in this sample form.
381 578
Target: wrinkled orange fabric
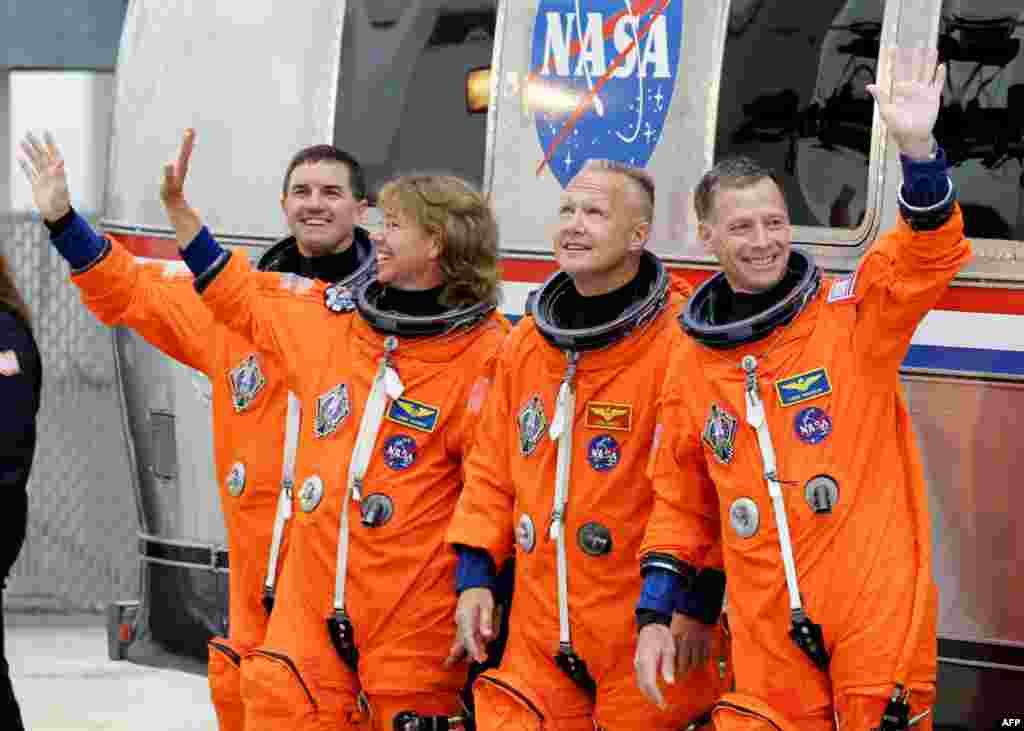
159 302
616 392
400 580
865 569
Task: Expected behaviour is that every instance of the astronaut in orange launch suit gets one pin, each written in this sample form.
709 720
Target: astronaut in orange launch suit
785 435
393 374
561 482
252 410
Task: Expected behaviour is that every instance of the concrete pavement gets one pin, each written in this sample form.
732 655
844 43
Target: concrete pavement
64 681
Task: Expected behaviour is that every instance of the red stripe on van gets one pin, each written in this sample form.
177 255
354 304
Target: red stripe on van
150 247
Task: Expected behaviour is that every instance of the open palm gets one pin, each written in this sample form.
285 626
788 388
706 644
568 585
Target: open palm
911 107
43 165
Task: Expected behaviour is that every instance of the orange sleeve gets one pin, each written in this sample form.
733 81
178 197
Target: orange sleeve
684 520
279 313
900 279
459 441
483 515
155 300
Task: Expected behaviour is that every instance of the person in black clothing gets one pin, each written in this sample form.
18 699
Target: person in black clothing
20 383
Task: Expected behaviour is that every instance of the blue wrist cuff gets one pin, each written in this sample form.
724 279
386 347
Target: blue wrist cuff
659 591
703 599
202 252
925 182
474 570
79 244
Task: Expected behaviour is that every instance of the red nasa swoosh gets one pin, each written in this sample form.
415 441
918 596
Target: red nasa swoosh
607 29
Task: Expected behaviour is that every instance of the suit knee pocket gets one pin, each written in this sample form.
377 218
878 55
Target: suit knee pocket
273 686
737 712
500 707
224 670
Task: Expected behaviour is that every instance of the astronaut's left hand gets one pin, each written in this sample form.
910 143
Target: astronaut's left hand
693 642
911 108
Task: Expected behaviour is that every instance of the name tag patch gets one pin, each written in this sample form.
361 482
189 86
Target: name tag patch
605 415
803 387
414 414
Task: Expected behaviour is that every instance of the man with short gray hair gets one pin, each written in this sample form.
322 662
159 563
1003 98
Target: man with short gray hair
560 481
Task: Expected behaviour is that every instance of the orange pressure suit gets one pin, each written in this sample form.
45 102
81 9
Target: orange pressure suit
508 504
399 582
250 405
852 483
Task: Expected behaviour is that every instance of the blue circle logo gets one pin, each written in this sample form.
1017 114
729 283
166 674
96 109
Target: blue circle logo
602 73
603 453
812 425
400 452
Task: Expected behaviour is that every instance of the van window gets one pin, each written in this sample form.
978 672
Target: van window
402 92
981 122
792 97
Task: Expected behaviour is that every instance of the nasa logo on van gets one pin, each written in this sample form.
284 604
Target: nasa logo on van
602 75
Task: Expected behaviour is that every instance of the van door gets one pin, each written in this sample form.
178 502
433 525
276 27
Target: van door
258 81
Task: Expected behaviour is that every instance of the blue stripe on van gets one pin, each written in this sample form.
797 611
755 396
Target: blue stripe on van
974 360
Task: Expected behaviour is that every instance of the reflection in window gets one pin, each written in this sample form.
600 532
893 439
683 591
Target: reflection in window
981 123
410 110
792 96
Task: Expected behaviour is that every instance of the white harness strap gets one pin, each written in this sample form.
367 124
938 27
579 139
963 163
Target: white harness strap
284 498
561 431
386 384
757 419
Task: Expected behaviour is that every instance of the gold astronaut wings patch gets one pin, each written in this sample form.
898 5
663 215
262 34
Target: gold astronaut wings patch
606 415
803 387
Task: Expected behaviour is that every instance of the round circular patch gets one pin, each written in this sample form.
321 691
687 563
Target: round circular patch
376 509
822 493
526 535
235 482
744 517
812 425
595 539
310 494
400 452
338 298
603 452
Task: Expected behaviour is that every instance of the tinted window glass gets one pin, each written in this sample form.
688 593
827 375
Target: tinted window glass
981 124
792 96
402 101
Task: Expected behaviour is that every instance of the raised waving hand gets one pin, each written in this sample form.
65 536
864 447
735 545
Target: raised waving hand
183 217
43 165
172 187
911 107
